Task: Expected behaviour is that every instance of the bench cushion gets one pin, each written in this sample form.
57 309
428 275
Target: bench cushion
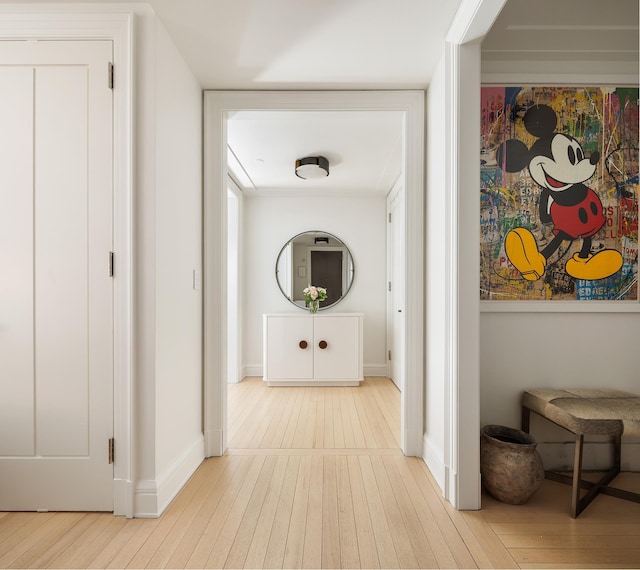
587 411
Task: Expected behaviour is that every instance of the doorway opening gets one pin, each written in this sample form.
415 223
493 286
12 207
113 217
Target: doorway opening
218 107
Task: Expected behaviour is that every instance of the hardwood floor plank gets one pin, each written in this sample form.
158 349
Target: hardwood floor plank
384 542
292 420
338 428
250 494
364 421
459 549
247 525
367 551
407 508
12 522
118 542
565 529
384 451
91 549
178 543
429 522
494 549
178 510
67 557
258 548
318 436
352 414
274 556
294 549
349 555
298 435
572 541
627 557
35 544
32 522
223 492
310 419
215 533
401 540
312 550
60 546
330 528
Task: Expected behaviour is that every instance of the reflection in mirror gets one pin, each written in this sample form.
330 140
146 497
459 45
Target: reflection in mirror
314 258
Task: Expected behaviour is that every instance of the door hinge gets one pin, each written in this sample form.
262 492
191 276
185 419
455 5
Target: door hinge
112 263
389 355
112 451
389 217
110 78
389 285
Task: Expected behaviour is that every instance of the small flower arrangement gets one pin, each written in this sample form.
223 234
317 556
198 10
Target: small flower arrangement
312 297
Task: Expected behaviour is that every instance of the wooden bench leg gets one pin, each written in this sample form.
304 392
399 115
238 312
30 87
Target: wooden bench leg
526 418
577 477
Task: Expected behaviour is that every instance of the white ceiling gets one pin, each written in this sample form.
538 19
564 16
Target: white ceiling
571 30
309 44
359 44
364 150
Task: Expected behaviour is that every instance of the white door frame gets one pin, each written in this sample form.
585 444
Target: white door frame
56 22
395 196
217 105
462 303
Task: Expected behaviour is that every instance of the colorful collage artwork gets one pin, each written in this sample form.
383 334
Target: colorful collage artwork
559 193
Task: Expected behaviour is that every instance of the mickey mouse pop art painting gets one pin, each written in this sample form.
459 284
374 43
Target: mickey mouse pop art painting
558 164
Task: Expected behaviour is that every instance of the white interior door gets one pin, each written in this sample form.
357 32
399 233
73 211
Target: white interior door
395 302
56 312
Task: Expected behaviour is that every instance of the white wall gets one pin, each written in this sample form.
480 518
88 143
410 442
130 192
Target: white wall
269 222
524 350
435 404
178 253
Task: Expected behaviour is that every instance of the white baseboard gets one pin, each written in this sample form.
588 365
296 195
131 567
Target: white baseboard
435 463
252 370
154 496
368 370
376 370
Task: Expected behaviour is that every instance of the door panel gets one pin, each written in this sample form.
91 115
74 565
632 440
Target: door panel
61 256
56 409
16 261
285 358
340 357
326 271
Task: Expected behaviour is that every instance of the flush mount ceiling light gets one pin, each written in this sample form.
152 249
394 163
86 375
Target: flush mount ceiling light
312 167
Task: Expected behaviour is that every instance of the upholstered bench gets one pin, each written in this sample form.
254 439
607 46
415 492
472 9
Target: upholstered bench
586 412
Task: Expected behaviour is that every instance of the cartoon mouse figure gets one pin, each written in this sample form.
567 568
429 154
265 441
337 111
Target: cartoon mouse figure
557 164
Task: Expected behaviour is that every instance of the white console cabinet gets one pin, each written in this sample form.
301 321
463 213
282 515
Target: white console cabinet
313 350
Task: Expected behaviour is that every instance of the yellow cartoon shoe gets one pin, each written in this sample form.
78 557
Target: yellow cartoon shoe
597 266
522 250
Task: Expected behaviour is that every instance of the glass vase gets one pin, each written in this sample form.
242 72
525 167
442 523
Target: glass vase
313 306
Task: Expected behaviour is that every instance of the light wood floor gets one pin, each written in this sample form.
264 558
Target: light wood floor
281 499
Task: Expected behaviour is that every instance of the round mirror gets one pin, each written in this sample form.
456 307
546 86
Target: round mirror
314 258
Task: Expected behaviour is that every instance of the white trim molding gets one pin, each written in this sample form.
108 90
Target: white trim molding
462 340
217 105
154 496
75 22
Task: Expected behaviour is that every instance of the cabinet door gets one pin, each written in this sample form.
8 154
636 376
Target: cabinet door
339 359
286 359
